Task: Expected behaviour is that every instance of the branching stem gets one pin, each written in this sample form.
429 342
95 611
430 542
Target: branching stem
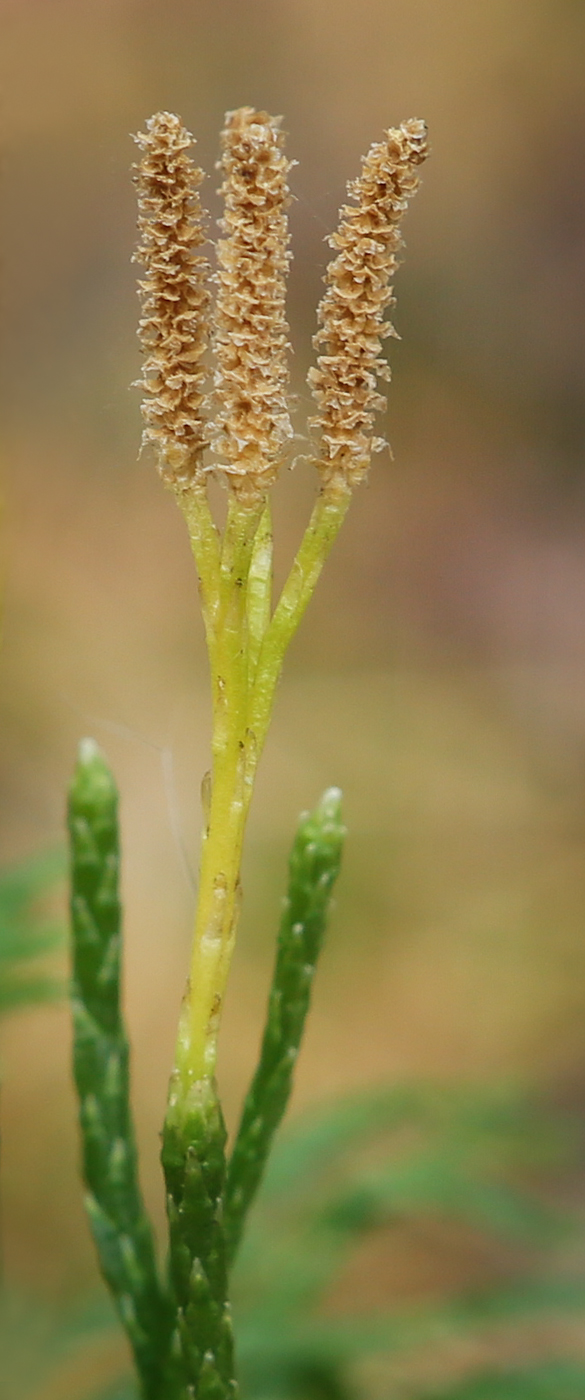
233 767
328 515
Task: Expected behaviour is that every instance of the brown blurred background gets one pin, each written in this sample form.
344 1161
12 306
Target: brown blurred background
439 677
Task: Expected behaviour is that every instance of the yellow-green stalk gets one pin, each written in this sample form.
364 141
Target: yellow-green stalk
174 331
238 411
249 432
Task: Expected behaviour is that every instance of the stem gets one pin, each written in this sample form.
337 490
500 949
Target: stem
193 1157
238 632
204 538
259 591
233 767
327 517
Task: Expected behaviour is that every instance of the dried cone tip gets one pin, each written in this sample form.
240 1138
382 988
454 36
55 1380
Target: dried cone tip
252 424
174 328
351 313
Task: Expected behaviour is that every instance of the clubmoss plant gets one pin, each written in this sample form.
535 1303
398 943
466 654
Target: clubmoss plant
215 384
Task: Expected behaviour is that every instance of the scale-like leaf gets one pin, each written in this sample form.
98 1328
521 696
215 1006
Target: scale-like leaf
118 1219
313 869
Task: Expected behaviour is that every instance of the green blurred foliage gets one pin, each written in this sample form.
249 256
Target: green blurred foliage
320 1202
25 935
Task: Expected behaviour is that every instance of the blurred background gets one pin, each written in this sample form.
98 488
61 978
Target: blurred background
439 677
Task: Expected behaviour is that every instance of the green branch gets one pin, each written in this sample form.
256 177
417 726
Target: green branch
313 869
117 1216
193 1158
